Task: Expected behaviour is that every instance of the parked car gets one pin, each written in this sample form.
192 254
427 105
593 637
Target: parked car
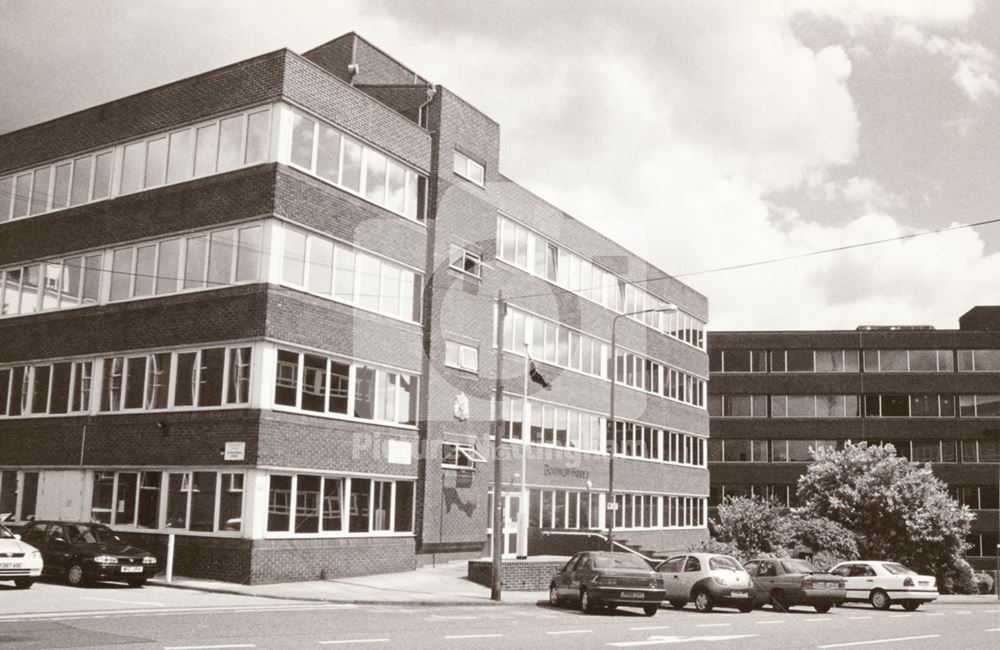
596 579
708 580
19 561
885 583
785 583
84 552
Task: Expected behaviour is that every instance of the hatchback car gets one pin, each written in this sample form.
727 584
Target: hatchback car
83 553
708 580
884 584
597 579
19 561
785 583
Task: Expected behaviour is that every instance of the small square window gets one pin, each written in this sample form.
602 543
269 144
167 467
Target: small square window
463 357
458 456
469 169
465 261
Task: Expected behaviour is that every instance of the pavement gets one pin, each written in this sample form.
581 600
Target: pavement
444 585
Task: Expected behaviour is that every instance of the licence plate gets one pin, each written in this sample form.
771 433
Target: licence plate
9 565
739 594
131 569
633 594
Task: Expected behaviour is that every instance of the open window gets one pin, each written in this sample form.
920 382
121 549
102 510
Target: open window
456 455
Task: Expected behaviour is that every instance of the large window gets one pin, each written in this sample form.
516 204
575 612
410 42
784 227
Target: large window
533 253
917 405
340 272
814 406
59 185
201 501
979 360
304 504
318 384
909 360
653 377
337 158
56 388
973 406
18 494
553 343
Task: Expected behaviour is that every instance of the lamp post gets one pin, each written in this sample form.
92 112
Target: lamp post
612 505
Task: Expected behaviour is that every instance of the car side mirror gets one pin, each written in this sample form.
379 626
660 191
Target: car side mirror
17 536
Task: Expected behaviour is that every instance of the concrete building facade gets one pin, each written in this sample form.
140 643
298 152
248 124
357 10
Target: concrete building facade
255 309
933 394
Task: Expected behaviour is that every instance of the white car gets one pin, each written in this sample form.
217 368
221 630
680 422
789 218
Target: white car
19 562
884 584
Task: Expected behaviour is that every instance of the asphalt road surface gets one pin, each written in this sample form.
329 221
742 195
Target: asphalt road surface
55 616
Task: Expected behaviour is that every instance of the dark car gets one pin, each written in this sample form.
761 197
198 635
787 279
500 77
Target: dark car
84 552
784 583
597 579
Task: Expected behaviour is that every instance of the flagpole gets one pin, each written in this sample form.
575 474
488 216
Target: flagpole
522 518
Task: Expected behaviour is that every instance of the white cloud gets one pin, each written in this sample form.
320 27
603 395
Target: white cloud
976 68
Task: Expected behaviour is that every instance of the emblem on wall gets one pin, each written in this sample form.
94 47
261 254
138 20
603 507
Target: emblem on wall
460 407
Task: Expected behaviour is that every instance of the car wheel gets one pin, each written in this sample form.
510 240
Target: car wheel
822 609
75 576
650 610
746 609
136 583
911 605
678 604
23 584
703 601
880 599
587 606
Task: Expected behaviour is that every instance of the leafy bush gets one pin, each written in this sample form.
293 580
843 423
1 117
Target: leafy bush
956 577
985 582
826 560
722 548
820 535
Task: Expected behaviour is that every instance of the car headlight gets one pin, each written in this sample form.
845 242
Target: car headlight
106 559
34 555
149 559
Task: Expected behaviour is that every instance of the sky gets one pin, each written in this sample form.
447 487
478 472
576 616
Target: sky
701 134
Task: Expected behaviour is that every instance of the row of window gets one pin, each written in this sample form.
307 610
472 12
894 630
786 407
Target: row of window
574 510
782 361
976 497
982 545
784 496
579 430
533 253
207 377
311 504
207 259
554 343
799 451
319 384
653 377
18 495
326 152
202 501
211 147
850 406
334 270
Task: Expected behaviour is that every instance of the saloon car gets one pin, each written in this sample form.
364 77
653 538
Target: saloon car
784 583
708 580
85 552
883 584
19 561
601 579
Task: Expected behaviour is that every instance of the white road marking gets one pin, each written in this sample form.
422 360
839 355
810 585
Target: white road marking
876 641
473 636
859 618
714 624
344 641
961 613
126 602
208 647
236 609
651 627
900 615
935 614
814 620
768 622
663 640
571 632
993 629
438 617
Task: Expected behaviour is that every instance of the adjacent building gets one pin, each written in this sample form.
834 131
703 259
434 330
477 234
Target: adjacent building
255 309
933 394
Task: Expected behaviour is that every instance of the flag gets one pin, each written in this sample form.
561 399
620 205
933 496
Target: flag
536 377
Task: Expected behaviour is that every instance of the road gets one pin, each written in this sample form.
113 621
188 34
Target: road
56 616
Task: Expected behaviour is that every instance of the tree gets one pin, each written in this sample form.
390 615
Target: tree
819 535
753 525
897 509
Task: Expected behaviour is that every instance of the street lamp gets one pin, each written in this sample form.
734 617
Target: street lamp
612 505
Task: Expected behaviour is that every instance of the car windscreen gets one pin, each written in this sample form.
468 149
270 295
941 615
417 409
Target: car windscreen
84 534
619 561
5 532
723 562
798 566
898 569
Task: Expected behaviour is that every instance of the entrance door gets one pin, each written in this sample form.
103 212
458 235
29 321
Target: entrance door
511 509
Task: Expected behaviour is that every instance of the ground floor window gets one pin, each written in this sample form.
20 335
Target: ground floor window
18 495
202 501
315 504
